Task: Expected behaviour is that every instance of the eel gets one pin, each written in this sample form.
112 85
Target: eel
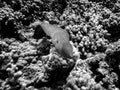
59 38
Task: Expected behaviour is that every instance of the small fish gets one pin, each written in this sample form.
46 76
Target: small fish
60 38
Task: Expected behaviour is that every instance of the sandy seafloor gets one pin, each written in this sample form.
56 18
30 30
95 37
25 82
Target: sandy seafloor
28 61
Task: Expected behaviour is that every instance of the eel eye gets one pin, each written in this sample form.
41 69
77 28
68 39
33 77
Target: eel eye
56 41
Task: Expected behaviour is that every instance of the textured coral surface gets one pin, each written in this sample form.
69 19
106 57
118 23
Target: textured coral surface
29 60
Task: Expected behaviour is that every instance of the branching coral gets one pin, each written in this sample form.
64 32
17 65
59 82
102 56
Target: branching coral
93 27
9 24
92 73
86 31
80 78
57 67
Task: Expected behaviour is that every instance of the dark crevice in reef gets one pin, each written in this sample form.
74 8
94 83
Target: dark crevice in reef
59 5
59 75
117 71
57 78
38 33
44 47
93 67
8 29
113 61
114 33
3 74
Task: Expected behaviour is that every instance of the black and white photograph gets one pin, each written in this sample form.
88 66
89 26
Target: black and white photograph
59 44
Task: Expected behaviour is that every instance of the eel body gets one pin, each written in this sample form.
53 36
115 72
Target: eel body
60 38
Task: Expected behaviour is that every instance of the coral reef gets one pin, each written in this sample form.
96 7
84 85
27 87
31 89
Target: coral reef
29 61
93 73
